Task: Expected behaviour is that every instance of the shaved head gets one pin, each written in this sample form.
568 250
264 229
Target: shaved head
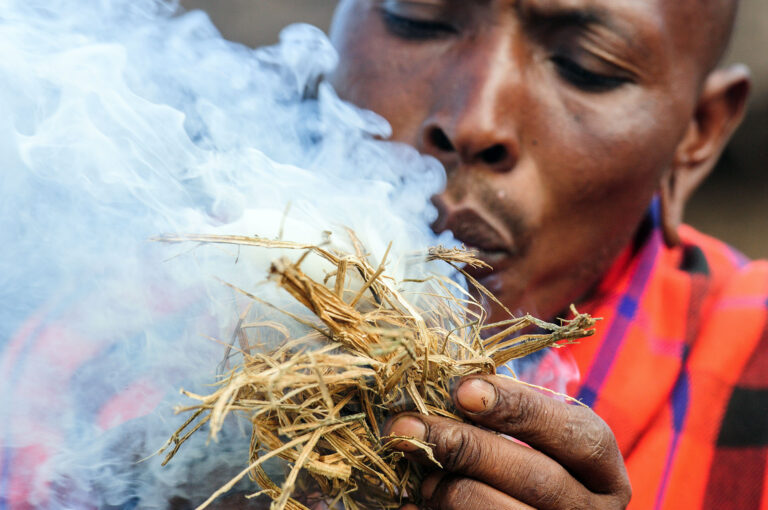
717 18
725 11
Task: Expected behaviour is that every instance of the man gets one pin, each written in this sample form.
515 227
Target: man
573 132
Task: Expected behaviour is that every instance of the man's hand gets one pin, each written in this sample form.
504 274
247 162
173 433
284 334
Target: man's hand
573 461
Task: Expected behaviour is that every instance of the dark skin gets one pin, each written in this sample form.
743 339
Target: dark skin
557 122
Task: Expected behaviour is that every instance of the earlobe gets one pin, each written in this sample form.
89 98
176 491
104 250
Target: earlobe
671 210
717 115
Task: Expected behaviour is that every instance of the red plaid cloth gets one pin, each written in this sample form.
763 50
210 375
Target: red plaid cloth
679 370
37 366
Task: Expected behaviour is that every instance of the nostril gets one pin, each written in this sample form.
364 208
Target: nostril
494 155
439 139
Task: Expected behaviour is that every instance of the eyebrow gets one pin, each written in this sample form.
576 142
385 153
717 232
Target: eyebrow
570 16
564 17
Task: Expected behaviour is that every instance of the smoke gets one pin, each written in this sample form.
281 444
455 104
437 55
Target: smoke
553 369
122 120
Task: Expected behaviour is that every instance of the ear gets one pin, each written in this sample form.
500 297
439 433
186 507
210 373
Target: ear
717 115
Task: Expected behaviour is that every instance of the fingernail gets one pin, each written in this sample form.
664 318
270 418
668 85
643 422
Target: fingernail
408 426
430 484
476 395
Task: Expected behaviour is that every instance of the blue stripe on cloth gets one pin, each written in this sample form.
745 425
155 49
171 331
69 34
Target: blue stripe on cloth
680 401
628 307
617 331
587 396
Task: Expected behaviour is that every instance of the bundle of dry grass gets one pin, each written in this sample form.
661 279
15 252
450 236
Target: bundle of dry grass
319 401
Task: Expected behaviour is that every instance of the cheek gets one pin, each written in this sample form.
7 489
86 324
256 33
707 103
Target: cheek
611 149
380 73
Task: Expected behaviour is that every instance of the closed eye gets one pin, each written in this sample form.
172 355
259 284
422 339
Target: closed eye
415 29
584 79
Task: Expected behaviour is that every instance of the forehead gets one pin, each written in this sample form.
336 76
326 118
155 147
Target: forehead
640 20
659 11
669 32
642 24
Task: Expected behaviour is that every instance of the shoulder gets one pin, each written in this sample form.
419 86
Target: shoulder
730 274
730 365
732 339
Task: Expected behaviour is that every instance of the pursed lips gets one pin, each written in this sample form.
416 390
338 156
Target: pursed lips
476 233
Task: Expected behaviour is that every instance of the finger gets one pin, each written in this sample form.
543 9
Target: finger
443 492
521 472
573 435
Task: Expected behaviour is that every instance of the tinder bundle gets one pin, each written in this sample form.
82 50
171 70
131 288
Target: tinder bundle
369 349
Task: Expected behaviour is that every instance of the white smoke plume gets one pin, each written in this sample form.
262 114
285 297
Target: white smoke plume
124 119
121 120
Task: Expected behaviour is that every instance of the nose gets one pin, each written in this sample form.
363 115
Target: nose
473 122
488 149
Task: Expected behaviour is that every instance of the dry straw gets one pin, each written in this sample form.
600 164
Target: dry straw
319 400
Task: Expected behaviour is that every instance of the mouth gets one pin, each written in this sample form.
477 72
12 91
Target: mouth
477 234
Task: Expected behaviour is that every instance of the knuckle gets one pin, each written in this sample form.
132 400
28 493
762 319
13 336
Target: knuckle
458 448
454 493
541 490
624 494
590 438
544 489
627 497
517 407
616 501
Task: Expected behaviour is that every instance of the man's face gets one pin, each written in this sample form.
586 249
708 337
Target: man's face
555 120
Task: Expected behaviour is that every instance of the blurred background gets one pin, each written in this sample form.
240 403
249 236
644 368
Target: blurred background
732 205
